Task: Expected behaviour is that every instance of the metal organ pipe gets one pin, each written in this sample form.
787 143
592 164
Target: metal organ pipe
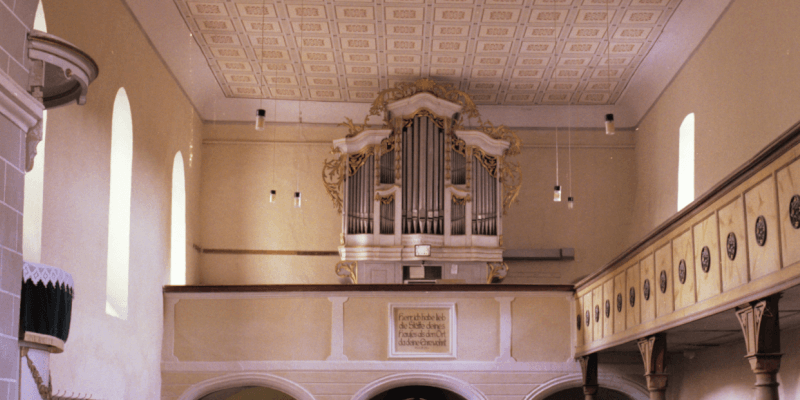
423 177
360 189
484 197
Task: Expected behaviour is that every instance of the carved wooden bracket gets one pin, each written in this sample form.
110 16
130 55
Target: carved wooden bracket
589 373
654 353
760 326
761 329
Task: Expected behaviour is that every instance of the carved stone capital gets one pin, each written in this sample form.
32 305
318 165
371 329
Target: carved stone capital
32 139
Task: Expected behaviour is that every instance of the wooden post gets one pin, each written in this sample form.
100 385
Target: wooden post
762 335
654 353
589 369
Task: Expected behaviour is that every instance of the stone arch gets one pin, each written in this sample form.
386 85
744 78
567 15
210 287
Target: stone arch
228 381
441 381
611 381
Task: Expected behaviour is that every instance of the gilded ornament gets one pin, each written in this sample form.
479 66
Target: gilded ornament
385 199
333 173
461 200
347 269
496 271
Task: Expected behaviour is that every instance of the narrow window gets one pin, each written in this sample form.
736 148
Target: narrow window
686 162
34 183
119 207
38 21
178 239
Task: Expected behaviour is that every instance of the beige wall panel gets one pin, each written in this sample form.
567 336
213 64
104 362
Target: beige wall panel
601 172
788 187
588 326
366 327
682 251
618 303
109 357
597 313
664 298
706 235
540 332
607 307
760 202
648 287
731 220
632 291
724 98
253 329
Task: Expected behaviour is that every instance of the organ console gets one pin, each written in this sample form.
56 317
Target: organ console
423 179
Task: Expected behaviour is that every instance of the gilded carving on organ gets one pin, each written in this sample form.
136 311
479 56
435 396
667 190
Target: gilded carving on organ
423 179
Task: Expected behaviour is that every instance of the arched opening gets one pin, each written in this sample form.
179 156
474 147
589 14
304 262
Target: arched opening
247 393
119 207
686 162
178 236
577 394
417 393
34 183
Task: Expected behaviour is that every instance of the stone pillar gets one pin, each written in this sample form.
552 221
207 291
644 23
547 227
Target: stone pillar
654 353
761 329
589 370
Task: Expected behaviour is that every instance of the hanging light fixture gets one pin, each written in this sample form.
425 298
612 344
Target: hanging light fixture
570 199
261 114
272 195
609 117
610 124
261 119
297 202
557 190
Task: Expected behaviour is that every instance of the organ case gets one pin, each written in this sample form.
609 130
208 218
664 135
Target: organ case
423 179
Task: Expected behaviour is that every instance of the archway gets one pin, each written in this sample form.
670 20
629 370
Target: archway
438 381
246 380
417 392
576 393
634 390
247 393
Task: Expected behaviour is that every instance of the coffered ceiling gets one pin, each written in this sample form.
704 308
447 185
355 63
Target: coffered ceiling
533 62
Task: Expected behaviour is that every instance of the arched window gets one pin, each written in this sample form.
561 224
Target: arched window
119 207
38 22
686 162
177 270
34 183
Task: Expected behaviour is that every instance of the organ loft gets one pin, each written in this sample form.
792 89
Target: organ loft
422 198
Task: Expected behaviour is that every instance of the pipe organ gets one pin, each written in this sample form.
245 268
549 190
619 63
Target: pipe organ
422 198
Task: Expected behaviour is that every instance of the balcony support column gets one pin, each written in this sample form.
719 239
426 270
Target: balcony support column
589 370
761 329
654 352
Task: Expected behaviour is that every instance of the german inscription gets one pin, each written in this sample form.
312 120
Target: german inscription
422 331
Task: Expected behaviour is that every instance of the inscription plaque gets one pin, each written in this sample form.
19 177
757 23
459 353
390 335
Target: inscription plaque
422 330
